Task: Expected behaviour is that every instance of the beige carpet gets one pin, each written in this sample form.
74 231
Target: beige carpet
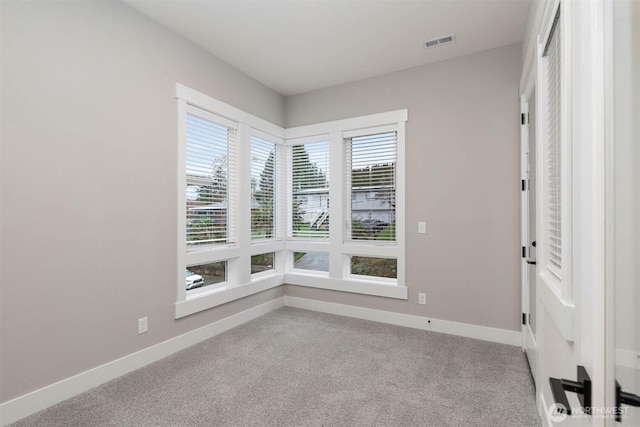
295 367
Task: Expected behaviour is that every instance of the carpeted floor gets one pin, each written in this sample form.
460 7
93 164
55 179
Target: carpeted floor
295 367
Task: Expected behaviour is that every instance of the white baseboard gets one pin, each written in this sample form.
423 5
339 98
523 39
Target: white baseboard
30 403
485 333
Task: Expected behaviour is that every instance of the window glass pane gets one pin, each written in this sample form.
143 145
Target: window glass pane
553 158
310 190
371 176
263 186
198 276
317 261
262 262
377 267
208 157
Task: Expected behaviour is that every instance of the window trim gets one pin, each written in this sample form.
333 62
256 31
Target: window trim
338 247
561 286
557 294
240 282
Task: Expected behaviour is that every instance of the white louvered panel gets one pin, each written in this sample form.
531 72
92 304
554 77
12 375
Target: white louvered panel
309 189
211 184
554 189
264 165
370 177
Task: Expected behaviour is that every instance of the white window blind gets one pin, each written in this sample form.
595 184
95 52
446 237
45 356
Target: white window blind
309 190
554 170
370 172
263 188
211 192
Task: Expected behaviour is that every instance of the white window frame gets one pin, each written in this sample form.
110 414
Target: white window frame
339 248
240 282
556 293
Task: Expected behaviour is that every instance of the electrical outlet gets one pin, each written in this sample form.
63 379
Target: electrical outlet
143 325
422 298
422 227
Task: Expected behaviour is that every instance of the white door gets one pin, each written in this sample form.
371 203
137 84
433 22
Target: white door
569 214
528 205
623 216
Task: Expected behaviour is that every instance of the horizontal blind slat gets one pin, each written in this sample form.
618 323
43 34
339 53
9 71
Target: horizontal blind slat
553 158
263 187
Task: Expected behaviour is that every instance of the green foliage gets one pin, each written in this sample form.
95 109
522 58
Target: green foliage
378 267
212 273
262 224
389 233
360 232
306 175
201 229
296 216
215 190
373 175
262 262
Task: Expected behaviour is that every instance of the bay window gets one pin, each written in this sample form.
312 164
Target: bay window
260 206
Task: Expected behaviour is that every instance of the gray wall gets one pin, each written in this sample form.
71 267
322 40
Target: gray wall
462 179
89 184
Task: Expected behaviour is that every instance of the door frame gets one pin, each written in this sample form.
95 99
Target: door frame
611 354
525 239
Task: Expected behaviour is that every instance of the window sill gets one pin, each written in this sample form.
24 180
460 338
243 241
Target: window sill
357 286
223 295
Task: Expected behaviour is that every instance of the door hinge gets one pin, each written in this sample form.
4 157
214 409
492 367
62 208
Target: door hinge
524 184
524 118
524 318
524 252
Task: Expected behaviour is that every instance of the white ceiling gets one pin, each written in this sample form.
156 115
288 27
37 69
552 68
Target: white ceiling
296 46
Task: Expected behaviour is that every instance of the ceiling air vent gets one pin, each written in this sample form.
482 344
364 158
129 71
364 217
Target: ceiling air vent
440 41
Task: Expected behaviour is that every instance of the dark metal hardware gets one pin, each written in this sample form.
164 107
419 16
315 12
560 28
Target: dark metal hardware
531 262
524 318
624 398
524 252
524 185
533 243
582 387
